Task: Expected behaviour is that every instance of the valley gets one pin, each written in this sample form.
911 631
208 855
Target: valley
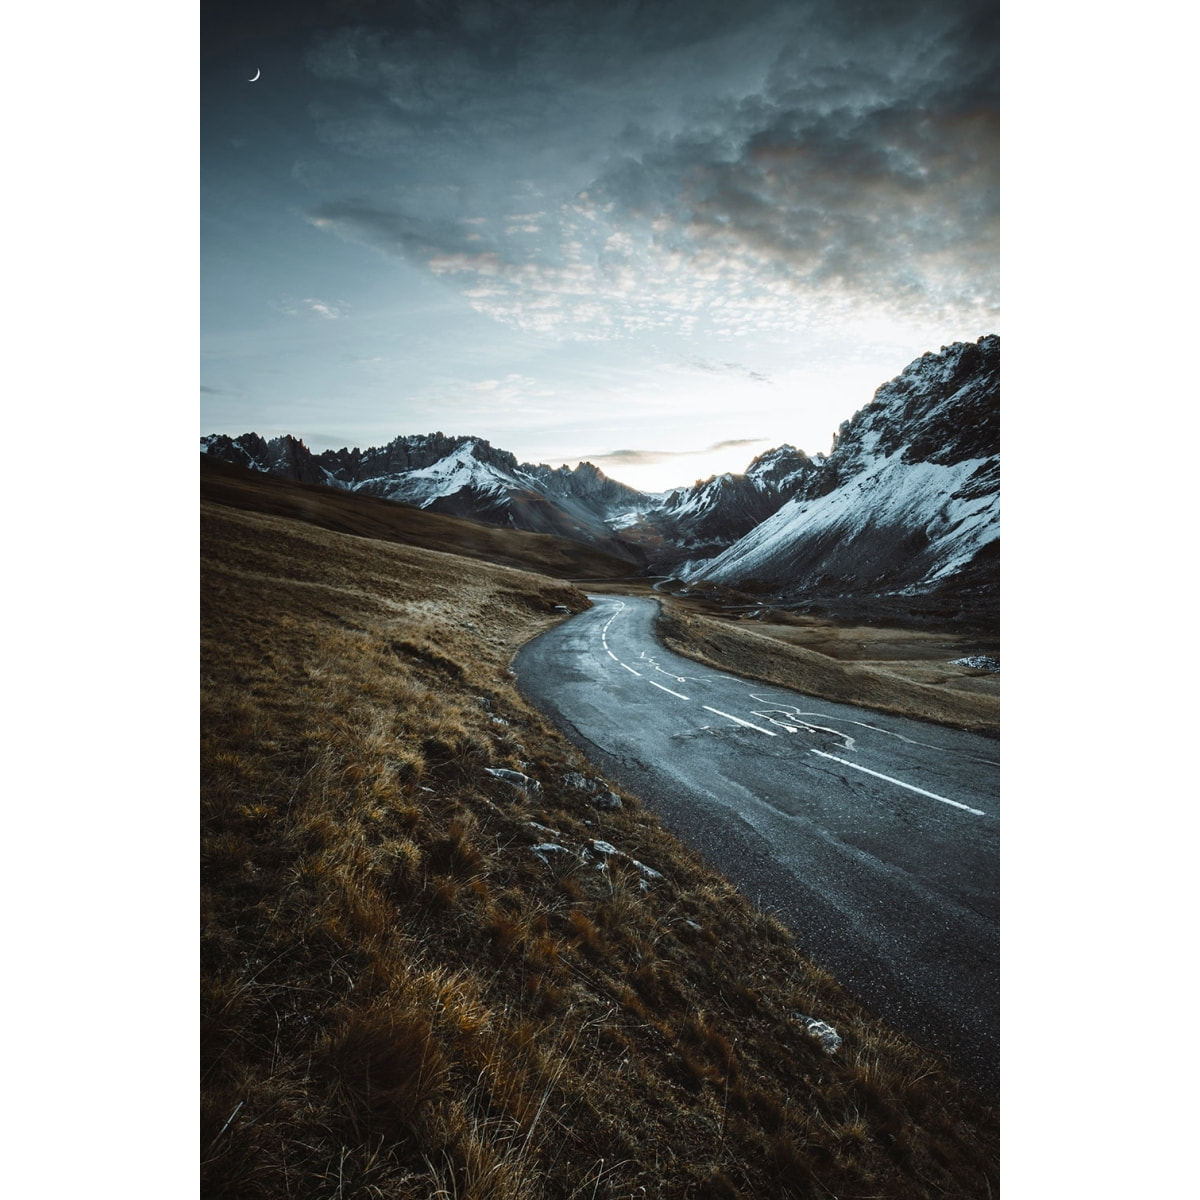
899 521
448 949
443 951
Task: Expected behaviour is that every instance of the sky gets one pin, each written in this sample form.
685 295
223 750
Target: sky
104 274
662 237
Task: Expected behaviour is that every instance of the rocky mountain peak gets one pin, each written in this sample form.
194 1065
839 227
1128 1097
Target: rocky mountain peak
908 496
907 501
944 407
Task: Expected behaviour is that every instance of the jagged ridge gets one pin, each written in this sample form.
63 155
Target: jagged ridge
461 476
907 501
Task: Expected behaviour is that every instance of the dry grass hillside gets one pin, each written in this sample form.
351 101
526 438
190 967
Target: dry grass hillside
368 516
440 957
891 670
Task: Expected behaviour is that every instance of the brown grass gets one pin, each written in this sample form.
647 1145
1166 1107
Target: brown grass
892 670
384 520
400 998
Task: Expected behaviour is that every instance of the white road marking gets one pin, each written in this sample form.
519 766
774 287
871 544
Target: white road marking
910 741
749 725
661 688
794 715
779 716
892 733
604 630
897 782
670 674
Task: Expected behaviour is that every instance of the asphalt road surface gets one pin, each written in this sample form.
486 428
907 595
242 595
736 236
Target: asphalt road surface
875 839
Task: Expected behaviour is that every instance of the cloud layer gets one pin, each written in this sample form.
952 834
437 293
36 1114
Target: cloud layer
591 171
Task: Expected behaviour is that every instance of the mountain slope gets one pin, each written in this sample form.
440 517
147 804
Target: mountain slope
700 521
907 502
370 517
459 476
432 960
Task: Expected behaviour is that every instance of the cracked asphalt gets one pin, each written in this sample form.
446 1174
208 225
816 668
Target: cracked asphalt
874 838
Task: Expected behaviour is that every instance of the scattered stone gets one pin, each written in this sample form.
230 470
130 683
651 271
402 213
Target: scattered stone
820 1031
649 872
515 778
978 662
600 796
544 848
607 850
499 721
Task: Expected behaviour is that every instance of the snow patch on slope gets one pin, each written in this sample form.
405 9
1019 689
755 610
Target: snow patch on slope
457 472
888 493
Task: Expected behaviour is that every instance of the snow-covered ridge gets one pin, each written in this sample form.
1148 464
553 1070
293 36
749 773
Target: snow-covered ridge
907 501
463 476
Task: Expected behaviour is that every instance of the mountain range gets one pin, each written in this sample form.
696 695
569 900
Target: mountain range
905 506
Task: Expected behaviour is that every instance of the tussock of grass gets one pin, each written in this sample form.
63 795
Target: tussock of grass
400 998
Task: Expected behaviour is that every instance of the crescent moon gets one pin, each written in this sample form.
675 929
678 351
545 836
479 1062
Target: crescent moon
255 75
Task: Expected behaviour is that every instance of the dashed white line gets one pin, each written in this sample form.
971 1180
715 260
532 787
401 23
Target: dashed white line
661 688
898 782
793 715
731 717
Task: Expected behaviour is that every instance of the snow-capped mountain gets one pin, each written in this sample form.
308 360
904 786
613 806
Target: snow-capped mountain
466 477
698 522
907 501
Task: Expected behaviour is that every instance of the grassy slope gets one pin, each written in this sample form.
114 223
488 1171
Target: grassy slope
949 696
400 998
368 516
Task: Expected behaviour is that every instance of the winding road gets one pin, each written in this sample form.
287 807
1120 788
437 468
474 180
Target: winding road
874 838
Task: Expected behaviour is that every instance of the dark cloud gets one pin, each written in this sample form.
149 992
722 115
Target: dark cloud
399 233
646 458
733 443
843 149
731 368
868 163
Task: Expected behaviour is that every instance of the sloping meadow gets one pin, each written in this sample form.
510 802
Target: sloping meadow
944 692
442 957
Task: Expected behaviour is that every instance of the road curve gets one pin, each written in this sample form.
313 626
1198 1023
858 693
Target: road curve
874 838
